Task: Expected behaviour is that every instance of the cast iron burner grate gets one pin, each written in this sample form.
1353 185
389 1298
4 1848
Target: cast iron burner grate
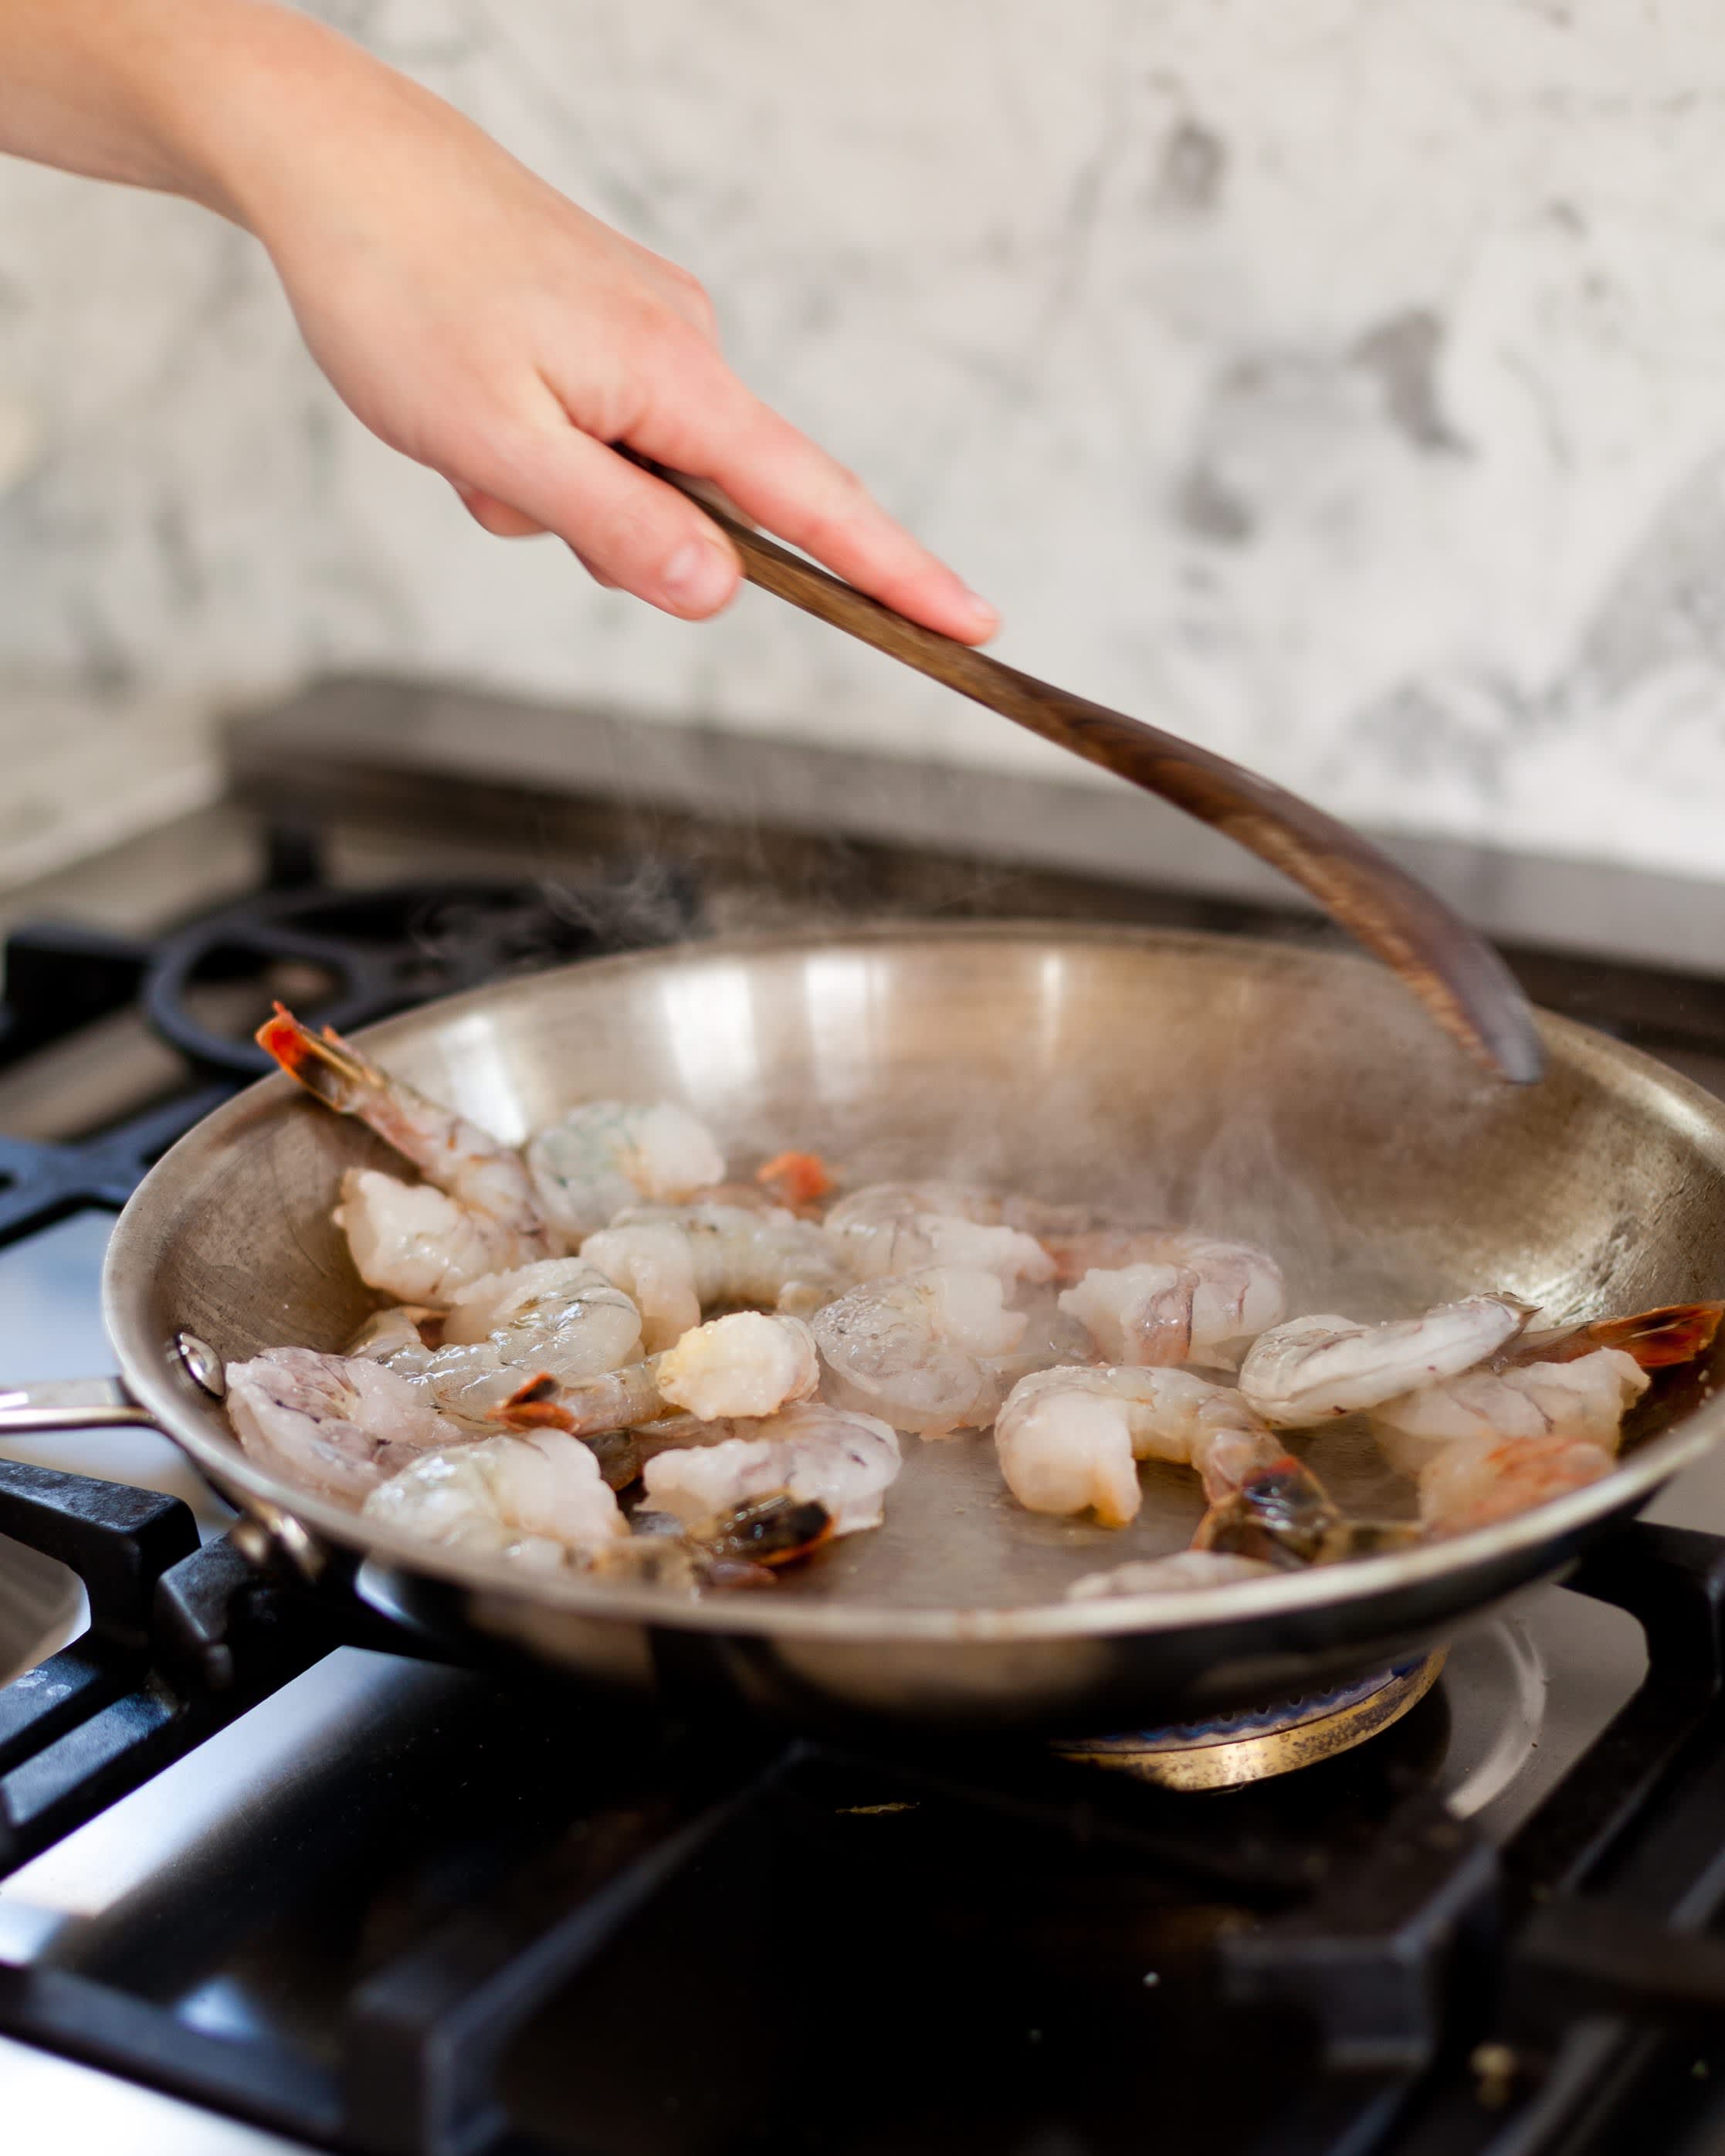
499 1919
355 956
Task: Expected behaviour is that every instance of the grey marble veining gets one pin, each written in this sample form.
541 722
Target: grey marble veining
1341 384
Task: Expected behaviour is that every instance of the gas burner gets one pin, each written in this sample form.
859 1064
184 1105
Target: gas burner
1252 1745
1490 1709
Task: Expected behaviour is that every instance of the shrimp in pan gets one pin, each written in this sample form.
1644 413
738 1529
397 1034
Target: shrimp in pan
675 1261
1070 1441
537 1499
1584 1399
890 1228
337 1424
1544 1417
605 1156
1235 1293
1312 1369
475 1212
394 1337
841 1461
745 1364
557 1318
1476 1480
924 1351
1141 1316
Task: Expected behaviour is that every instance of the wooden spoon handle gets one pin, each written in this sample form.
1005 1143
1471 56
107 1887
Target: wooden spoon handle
1461 981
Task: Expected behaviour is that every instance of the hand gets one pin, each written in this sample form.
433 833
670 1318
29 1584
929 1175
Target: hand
479 321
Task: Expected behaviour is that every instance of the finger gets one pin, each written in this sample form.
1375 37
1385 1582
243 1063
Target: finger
504 522
780 478
598 575
497 517
629 529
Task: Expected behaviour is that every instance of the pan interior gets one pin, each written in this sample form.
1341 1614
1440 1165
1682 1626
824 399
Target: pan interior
1289 1096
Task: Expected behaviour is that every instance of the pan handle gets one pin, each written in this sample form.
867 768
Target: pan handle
265 1534
70 1403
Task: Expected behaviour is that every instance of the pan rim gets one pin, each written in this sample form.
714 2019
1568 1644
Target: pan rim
153 1378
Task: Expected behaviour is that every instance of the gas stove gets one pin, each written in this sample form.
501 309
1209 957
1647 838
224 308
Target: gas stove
272 1877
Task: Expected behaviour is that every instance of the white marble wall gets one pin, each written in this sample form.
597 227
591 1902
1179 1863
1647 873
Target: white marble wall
1343 383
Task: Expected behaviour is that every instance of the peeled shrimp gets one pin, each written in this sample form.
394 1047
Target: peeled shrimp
1070 1441
673 1260
1177 1573
747 1363
891 1228
1313 1369
1237 1291
923 1350
476 1212
334 1423
536 1499
1147 1315
607 1155
393 1337
557 1318
1585 1400
1477 1480
829 1455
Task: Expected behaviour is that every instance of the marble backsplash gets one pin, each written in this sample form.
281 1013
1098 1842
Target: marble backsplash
1341 384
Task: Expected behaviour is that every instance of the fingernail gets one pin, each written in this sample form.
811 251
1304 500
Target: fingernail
698 575
981 613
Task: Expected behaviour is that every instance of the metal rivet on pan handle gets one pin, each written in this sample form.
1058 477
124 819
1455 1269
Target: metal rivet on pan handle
202 1364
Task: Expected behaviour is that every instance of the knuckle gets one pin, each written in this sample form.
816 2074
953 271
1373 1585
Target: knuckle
690 297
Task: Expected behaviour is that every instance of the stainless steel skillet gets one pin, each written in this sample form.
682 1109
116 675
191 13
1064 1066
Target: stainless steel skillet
1268 1092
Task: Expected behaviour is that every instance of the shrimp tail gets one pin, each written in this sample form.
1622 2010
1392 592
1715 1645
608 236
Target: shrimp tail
325 1064
797 1179
1280 1514
1656 1339
772 1530
534 1407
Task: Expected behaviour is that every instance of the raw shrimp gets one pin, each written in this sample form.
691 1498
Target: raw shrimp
1313 1369
1585 1400
535 1499
1140 1316
557 1318
478 1170
1069 1440
827 1456
923 1350
888 1229
1477 1480
1177 1573
338 1424
673 1261
747 1363
393 1337
410 1240
606 1155
1239 1293
476 1213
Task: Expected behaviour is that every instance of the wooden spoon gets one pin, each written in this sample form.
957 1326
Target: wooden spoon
1461 981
